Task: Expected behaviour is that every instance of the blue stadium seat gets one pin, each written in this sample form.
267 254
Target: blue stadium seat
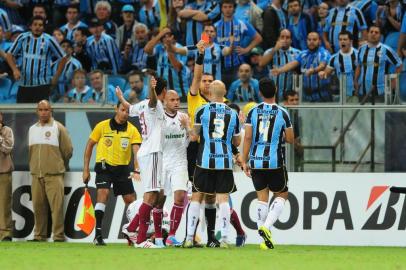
120 81
13 93
5 85
392 40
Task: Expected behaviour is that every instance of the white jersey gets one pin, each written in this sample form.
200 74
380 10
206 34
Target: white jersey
152 121
176 141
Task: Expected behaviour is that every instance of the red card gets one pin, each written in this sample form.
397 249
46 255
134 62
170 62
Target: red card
205 37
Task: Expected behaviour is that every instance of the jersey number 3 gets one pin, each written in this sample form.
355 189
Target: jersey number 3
218 128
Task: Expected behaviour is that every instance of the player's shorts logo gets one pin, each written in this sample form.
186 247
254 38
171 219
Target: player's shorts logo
108 142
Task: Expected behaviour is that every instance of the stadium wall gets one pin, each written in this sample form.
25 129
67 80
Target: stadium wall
323 209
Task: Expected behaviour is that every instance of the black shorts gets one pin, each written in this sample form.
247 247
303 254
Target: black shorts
274 179
191 158
122 185
213 181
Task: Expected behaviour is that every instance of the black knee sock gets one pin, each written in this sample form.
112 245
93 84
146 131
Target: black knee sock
99 220
210 214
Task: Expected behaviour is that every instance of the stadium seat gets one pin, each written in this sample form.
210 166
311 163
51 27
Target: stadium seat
5 85
117 81
12 98
392 40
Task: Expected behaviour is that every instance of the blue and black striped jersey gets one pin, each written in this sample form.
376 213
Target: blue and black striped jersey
104 52
345 64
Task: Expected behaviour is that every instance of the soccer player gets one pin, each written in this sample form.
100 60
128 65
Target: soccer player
72 16
37 50
344 62
279 56
343 17
218 128
244 89
152 119
373 60
310 61
266 128
116 138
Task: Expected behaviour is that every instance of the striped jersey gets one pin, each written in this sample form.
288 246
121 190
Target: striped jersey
104 52
344 64
218 124
175 142
67 73
80 97
5 21
238 93
177 80
36 55
314 88
241 31
284 81
344 18
138 56
69 31
300 30
100 97
268 122
375 63
150 18
194 29
368 9
212 59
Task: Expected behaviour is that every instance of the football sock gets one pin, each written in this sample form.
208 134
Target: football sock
192 218
157 215
235 221
134 223
99 213
176 217
210 214
145 215
262 212
224 219
274 211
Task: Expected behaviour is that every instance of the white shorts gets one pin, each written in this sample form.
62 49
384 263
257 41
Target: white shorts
175 179
151 171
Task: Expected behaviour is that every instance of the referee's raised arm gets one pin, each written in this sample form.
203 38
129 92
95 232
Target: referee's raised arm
198 70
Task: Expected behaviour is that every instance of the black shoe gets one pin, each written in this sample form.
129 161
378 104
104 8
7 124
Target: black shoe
98 241
7 239
213 243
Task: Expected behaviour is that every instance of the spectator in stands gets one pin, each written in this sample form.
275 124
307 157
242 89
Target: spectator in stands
275 19
402 39
373 59
80 93
389 17
195 14
49 140
126 31
66 74
138 90
102 49
258 72
35 76
368 8
299 24
102 10
134 56
13 8
175 22
40 10
311 6
240 32
5 23
149 14
171 66
79 48
6 192
245 89
262 4
343 17
321 18
74 22
343 63
276 58
311 62
249 12
58 35
4 46
99 94
59 9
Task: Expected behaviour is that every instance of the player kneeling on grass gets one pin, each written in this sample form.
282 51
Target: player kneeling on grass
267 127
115 138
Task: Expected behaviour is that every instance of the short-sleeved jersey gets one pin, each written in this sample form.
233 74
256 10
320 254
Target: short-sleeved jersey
175 142
194 102
218 124
113 145
152 121
268 122
345 64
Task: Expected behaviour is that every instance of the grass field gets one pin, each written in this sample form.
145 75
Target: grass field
118 256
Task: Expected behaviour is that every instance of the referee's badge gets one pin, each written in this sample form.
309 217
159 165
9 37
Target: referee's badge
124 142
108 142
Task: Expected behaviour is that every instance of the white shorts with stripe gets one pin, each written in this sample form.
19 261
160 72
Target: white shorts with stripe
151 171
175 179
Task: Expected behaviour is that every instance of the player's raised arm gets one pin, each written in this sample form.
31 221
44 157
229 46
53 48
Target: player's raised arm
153 99
120 96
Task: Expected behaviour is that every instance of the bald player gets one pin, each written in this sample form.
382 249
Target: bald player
218 128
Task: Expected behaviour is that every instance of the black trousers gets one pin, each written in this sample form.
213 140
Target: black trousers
33 94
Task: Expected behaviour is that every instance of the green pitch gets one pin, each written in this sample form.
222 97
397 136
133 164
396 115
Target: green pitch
71 256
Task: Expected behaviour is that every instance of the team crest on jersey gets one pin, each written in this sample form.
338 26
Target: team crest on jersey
108 142
48 134
124 142
379 54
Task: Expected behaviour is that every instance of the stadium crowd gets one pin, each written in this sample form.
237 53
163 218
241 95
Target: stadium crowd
60 50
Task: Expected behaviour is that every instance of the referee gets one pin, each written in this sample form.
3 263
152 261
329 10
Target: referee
115 138
37 50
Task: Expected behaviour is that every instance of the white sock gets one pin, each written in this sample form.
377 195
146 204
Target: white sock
274 211
100 206
224 219
262 213
192 218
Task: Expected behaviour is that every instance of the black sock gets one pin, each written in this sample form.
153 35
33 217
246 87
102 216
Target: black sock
210 214
99 219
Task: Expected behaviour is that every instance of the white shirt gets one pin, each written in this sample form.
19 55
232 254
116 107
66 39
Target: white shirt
175 142
152 121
